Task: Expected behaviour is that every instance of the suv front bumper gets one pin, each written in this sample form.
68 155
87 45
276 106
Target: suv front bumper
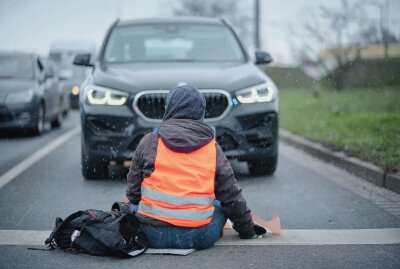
247 132
19 116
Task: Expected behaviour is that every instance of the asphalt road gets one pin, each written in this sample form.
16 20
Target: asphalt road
305 192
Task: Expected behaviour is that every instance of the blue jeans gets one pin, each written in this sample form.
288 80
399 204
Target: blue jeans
183 238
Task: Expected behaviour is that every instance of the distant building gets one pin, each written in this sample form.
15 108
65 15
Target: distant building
327 61
369 52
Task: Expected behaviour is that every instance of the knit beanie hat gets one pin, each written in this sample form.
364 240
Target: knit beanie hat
185 102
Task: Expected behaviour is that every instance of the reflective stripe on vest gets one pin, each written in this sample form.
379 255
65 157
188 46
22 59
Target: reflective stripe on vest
177 214
176 200
180 191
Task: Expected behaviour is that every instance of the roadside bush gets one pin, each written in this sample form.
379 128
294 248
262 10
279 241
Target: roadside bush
365 73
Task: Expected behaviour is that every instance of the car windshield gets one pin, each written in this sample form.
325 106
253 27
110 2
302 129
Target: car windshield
16 66
72 72
172 43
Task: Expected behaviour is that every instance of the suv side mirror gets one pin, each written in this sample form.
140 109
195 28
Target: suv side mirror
83 59
263 57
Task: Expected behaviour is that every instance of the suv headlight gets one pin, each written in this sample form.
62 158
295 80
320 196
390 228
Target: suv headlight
96 95
260 93
19 97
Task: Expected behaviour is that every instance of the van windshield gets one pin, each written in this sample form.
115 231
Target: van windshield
16 66
172 43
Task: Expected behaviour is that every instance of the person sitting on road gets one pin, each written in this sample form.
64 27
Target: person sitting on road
180 184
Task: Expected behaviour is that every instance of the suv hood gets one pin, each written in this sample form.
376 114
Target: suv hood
155 76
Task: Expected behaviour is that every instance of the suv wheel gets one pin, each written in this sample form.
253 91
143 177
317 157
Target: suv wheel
39 122
263 167
93 168
56 123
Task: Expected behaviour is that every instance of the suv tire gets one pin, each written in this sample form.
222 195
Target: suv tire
56 123
265 167
93 168
39 122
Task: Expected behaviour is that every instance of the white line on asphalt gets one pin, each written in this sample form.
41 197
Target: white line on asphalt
319 237
288 237
28 162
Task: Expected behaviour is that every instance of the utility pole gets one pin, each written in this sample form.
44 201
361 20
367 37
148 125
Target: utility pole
120 9
257 44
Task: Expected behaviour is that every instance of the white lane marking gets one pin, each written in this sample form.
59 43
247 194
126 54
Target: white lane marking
28 162
319 237
288 237
23 237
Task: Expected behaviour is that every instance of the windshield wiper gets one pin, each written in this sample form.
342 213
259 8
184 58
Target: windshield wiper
154 61
172 61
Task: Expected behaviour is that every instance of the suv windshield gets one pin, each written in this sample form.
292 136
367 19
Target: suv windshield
172 43
16 66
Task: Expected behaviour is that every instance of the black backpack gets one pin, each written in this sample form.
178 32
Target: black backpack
97 232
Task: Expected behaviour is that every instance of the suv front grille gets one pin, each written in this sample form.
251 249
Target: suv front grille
151 104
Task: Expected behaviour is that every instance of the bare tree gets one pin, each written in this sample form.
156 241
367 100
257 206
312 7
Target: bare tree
386 37
333 29
230 10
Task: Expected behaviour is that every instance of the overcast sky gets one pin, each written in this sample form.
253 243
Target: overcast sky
34 24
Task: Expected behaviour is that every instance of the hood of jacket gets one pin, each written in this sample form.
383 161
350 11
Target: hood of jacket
185 135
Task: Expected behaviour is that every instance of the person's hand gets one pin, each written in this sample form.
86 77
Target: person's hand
121 207
133 208
257 231
248 235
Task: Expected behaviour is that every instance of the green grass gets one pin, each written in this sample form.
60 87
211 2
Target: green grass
362 122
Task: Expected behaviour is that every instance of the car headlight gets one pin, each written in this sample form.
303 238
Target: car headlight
257 94
96 95
22 97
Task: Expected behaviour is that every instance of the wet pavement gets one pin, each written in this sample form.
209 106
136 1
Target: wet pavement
305 192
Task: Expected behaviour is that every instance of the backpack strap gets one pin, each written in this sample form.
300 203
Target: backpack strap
59 226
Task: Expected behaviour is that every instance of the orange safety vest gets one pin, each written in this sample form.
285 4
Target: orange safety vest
180 191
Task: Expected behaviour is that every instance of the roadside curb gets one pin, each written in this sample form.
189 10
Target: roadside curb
363 169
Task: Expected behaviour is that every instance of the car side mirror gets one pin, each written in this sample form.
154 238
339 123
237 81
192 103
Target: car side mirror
263 57
83 60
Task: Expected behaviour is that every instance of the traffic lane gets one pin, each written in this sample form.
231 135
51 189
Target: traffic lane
346 256
55 187
15 146
305 200
302 198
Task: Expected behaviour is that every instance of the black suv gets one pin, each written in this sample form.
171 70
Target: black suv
141 60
